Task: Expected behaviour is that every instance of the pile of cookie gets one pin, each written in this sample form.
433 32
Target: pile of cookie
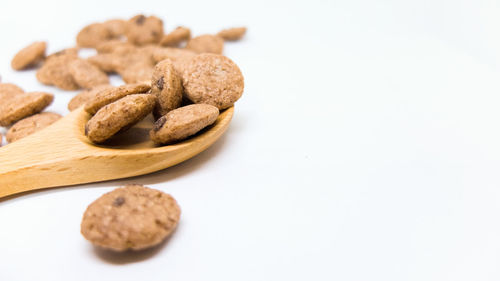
184 81
20 108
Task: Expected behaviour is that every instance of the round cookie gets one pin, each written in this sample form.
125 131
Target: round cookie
30 125
131 217
110 95
143 30
23 105
232 34
213 79
179 57
112 45
92 35
28 56
69 52
177 36
85 96
107 62
118 116
166 85
206 44
183 122
87 75
55 71
8 90
116 27
138 72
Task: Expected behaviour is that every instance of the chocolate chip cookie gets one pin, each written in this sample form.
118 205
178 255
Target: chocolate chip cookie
183 122
118 116
131 217
30 125
213 79
167 86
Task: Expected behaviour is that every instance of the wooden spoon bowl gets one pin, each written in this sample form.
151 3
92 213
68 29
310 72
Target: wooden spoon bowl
62 155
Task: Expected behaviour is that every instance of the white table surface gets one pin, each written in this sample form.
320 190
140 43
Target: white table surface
365 147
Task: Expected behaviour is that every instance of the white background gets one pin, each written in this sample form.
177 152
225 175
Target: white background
365 147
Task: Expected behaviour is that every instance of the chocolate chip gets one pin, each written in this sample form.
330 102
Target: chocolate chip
140 20
118 201
159 83
159 123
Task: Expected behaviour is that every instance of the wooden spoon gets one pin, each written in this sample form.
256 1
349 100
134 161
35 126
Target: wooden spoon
62 155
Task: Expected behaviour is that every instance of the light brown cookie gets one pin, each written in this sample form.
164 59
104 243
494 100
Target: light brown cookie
232 34
85 96
87 75
176 37
23 105
30 125
55 71
111 46
206 44
108 96
107 62
183 122
136 65
131 217
179 57
8 90
92 35
166 85
118 116
143 30
213 79
116 27
137 73
30 55
69 52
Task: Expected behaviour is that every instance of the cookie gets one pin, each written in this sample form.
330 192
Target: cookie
137 73
23 105
69 52
176 37
87 75
166 85
111 46
92 35
213 79
179 57
183 122
206 44
55 71
118 116
136 65
30 55
108 96
8 90
116 27
30 125
107 62
131 217
232 34
85 96
143 30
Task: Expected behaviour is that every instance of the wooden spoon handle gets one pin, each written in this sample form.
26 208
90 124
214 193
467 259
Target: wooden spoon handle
46 158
